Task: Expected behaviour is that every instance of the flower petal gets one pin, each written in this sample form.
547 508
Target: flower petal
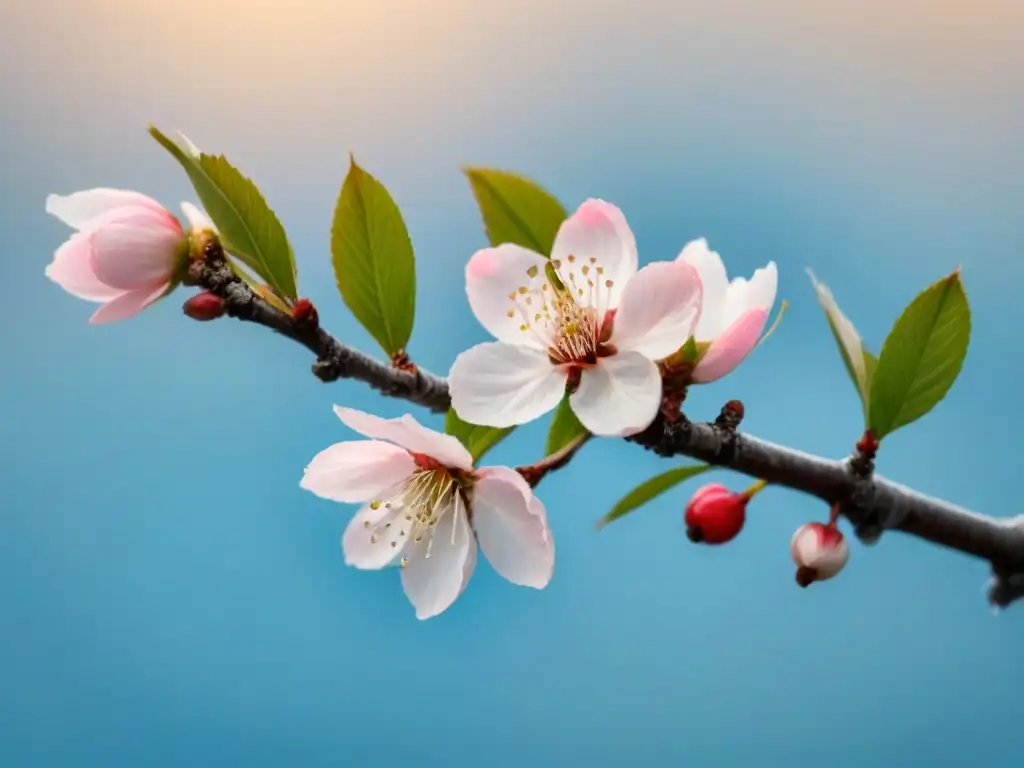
619 396
407 433
658 310
731 348
127 305
358 470
596 236
512 527
501 385
132 256
743 295
432 583
78 209
715 281
359 545
495 274
196 218
470 565
72 270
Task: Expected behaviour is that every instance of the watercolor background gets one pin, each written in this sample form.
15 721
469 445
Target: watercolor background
169 595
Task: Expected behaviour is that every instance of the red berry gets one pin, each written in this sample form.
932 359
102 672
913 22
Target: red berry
715 514
204 306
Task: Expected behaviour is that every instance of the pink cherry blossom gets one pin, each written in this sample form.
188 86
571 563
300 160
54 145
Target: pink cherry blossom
426 509
734 313
125 253
596 330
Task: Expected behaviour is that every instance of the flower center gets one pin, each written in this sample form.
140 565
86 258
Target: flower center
412 514
571 317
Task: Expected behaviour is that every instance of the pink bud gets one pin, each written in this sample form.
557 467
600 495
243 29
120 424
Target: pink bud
204 306
820 552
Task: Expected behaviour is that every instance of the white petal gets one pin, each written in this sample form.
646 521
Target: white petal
495 274
596 236
360 548
512 528
501 385
78 209
470 565
359 470
196 218
658 310
715 282
409 434
619 396
744 295
432 583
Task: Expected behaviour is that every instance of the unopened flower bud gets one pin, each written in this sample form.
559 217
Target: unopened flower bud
204 306
305 312
820 551
715 515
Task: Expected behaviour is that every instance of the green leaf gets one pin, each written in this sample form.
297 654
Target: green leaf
565 427
516 209
248 228
373 259
858 361
478 440
921 357
649 489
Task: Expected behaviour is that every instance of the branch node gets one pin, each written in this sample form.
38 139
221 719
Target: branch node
862 461
400 361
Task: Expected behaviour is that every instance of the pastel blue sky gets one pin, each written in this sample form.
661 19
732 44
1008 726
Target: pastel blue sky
173 597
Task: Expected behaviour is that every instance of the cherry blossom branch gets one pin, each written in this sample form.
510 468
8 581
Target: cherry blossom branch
872 503
534 473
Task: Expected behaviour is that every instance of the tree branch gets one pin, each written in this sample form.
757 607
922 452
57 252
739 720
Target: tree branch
872 503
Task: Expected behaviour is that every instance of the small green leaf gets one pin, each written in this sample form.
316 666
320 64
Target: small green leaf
478 440
373 259
921 357
855 357
248 228
515 209
565 427
649 489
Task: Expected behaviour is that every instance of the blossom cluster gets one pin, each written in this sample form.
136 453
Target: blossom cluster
583 322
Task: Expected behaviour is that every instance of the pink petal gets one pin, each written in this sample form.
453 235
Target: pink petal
619 396
501 385
512 528
357 471
72 270
495 274
433 583
596 236
658 310
409 434
78 209
133 256
127 305
744 295
729 350
715 281
360 546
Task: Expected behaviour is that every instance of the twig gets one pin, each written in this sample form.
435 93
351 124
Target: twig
872 504
534 473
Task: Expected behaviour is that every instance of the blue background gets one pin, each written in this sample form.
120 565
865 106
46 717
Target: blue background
170 596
